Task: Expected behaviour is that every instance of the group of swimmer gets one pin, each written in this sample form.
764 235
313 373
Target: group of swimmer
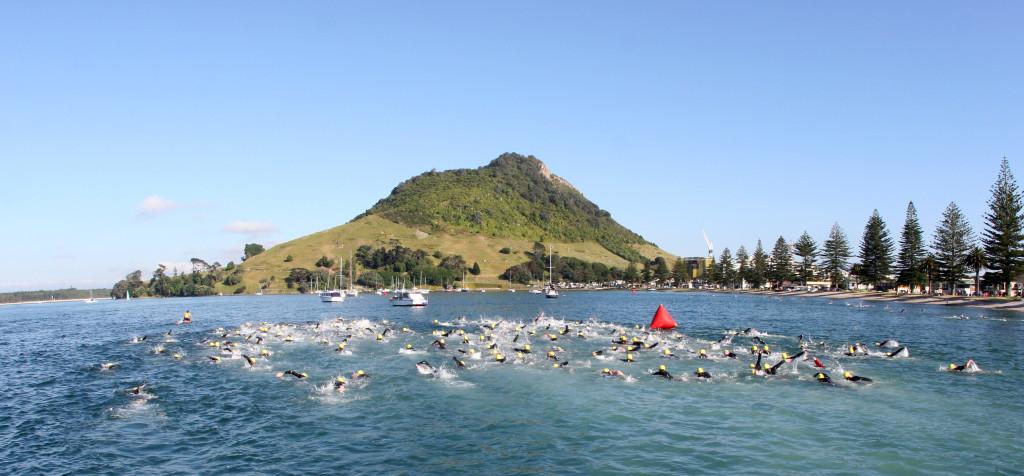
509 342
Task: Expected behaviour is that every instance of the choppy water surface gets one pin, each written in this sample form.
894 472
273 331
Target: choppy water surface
61 412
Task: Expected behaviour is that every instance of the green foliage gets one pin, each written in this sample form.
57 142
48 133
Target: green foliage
835 256
240 290
952 240
910 262
727 275
680 273
56 294
252 249
324 262
288 259
505 250
758 275
1003 237
875 251
807 250
512 196
200 283
475 270
232 279
781 263
230 266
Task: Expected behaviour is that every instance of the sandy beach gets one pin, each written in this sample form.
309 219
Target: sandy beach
1002 304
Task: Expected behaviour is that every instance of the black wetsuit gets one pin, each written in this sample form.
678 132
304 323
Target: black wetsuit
458 362
896 353
704 374
797 355
730 354
773 370
296 374
250 360
823 378
855 378
439 344
663 374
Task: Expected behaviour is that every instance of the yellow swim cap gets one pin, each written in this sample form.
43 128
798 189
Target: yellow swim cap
819 376
606 371
702 351
408 346
360 372
555 365
176 356
952 366
700 370
519 354
751 365
667 352
785 356
661 367
629 356
527 346
435 321
304 374
847 374
341 379
472 351
765 347
442 341
766 366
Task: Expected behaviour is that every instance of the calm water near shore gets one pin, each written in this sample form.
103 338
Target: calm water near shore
62 413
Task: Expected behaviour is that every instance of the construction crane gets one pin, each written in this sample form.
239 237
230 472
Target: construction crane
711 247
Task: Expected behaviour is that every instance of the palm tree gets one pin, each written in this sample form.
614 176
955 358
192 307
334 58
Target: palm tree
976 259
930 266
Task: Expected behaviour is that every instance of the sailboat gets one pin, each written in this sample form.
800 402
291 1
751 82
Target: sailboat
550 291
90 300
128 295
351 289
333 295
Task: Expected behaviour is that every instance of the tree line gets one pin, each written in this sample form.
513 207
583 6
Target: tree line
953 253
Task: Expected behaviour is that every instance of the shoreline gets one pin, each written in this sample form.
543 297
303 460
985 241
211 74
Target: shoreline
1001 304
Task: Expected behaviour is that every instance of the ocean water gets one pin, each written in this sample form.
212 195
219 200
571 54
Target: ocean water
61 412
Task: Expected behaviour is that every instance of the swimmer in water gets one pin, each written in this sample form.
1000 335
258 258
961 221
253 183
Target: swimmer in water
702 374
359 374
887 343
854 378
629 358
901 352
823 377
460 363
669 355
794 357
500 358
424 367
970 366
440 344
292 372
612 373
339 384
138 390
817 363
730 354
662 372
525 349
108 365
703 354
250 360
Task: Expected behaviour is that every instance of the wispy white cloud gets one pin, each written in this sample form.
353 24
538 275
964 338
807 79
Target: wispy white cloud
64 256
254 228
154 206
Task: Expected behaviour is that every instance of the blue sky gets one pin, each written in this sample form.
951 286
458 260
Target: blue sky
139 133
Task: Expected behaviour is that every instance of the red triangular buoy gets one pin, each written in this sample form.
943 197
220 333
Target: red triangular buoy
662 319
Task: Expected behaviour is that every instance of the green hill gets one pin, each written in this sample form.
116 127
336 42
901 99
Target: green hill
510 203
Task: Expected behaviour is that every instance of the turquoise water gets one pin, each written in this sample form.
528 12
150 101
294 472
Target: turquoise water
62 413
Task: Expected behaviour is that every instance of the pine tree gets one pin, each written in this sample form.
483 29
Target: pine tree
679 273
726 271
1003 237
632 274
759 273
782 262
835 254
910 262
875 251
807 250
744 269
953 239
